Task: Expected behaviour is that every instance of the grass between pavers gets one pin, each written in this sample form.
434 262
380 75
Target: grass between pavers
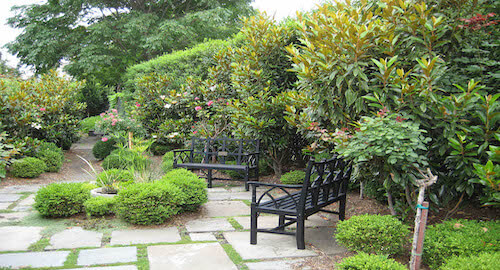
142 257
72 258
234 256
235 224
15 203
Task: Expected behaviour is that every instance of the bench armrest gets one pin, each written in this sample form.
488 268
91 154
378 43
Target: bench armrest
267 193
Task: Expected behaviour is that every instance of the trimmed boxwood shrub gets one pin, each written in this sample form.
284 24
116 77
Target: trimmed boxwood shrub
460 238
52 147
364 261
483 261
167 163
103 149
99 206
373 234
52 159
293 178
149 203
125 158
62 199
28 167
193 187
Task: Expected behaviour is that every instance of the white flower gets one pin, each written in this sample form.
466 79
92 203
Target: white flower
162 96
167 106
172 135
36 125
212 88
154 136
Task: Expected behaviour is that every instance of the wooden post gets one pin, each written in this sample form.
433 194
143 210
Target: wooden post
421 234
130 136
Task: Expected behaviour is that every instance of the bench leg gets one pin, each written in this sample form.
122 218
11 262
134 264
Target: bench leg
253 226
209 178
282 221
342 209
246 181
301 244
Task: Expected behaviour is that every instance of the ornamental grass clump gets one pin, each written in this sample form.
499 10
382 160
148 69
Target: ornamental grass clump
192 186
28 167
62 199
373 234
460 238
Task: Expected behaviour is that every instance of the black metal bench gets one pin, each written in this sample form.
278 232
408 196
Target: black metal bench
325 183
209 154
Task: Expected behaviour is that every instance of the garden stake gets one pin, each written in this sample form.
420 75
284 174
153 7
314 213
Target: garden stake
130 136
420 218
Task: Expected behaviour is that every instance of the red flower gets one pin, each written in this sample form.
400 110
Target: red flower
42 109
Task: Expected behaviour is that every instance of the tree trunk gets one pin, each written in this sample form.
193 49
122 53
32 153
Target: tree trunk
389 202
361 189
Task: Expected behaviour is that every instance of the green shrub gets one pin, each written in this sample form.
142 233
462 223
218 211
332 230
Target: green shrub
293 178
125 158
460 238
112 179
149 203
193 187
160 149
364 261
373 234
264 169
52 159
99 206
103 149
62 199
29 167
88 123
52 147
483 261
167 162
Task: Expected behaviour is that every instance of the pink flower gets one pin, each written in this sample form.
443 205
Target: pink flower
196 98
102 114
114 110
104 139
185 93
197 108
105 119
42 109
210 103
137 104
194 132
113 124
227 103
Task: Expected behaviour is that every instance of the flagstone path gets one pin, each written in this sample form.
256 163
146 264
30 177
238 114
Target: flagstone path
219 240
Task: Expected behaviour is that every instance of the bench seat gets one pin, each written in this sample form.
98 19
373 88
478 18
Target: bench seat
325 183
212 166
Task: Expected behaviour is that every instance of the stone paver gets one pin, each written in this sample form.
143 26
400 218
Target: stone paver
131 237
202 237
34 259
20 189
4 205
263 222
206 256
269 222
273 265
216 190
219 196
225 208
209 225
121 267
9 197
269 246
18 238
12 217
75 237
324 239
107 255
28 201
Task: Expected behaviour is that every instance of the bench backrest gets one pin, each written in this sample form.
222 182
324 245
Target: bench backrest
325 181
224 149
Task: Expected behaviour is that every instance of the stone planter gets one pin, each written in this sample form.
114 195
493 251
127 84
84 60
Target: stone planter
97 192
